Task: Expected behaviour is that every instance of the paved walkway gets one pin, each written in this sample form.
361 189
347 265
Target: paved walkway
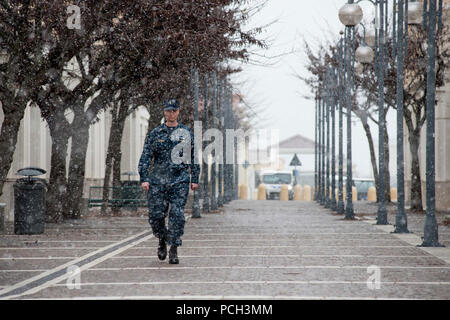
250 250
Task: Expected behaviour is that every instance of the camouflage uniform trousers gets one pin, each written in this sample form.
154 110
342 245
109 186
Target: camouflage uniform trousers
159 197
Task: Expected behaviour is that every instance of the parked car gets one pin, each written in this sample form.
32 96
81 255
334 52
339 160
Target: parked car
273 180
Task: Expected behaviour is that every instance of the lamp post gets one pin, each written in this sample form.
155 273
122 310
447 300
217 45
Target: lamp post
430 238
319 147
196 202
340 204
205 161
221 126
350 15
214 124
316 184
226 171
364 55
401 225
236 163
333 204
327 143
228 166
322 145
382 212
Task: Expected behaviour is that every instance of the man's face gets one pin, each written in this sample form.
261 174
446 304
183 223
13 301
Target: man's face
171 115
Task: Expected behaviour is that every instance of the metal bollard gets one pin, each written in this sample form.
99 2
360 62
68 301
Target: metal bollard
372 194
298 192
261 192
394 194
284 192
243 193
307 193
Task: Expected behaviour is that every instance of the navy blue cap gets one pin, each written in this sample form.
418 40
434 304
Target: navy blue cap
171 104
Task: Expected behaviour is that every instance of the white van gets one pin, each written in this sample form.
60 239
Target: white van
273 181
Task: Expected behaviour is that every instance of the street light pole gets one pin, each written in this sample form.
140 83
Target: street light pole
226 175
322 201
319 147
236 163
327 116
196 202
430 238
349 212
214 124
205 161
401 225
228 166
333 205
340 205
220 197
316 184
382 212
350 15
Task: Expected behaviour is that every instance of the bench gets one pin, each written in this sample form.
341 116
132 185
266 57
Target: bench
119 196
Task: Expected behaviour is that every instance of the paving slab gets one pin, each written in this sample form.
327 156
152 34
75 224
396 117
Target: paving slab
251 249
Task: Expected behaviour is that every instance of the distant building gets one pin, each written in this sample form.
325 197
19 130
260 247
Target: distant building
304 149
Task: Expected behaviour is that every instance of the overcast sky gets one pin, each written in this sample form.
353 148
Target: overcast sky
275 91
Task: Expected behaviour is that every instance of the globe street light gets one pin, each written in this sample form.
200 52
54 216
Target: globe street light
350 14
364 54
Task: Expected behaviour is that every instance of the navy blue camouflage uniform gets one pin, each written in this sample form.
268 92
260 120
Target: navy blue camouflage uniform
167 155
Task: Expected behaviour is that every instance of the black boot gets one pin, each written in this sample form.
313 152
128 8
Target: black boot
162 249
173 258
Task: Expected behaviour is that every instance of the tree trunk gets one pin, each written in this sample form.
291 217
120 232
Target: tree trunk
109 160
373 159
416 181
56 193
113 161
13 111
106 180
77 166
156 114
116 148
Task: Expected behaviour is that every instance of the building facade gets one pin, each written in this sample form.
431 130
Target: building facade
442 142
33 149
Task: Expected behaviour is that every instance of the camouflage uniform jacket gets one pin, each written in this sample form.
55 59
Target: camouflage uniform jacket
157 166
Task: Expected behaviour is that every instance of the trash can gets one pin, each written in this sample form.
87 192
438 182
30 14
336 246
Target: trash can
29 202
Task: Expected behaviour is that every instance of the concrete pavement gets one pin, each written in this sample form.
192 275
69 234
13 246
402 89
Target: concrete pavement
250 250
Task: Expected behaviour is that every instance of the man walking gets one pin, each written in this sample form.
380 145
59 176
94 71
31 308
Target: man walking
167 155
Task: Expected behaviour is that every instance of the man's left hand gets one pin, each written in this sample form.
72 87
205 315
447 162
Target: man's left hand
194 186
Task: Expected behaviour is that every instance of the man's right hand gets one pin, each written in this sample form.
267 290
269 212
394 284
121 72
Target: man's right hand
145 186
